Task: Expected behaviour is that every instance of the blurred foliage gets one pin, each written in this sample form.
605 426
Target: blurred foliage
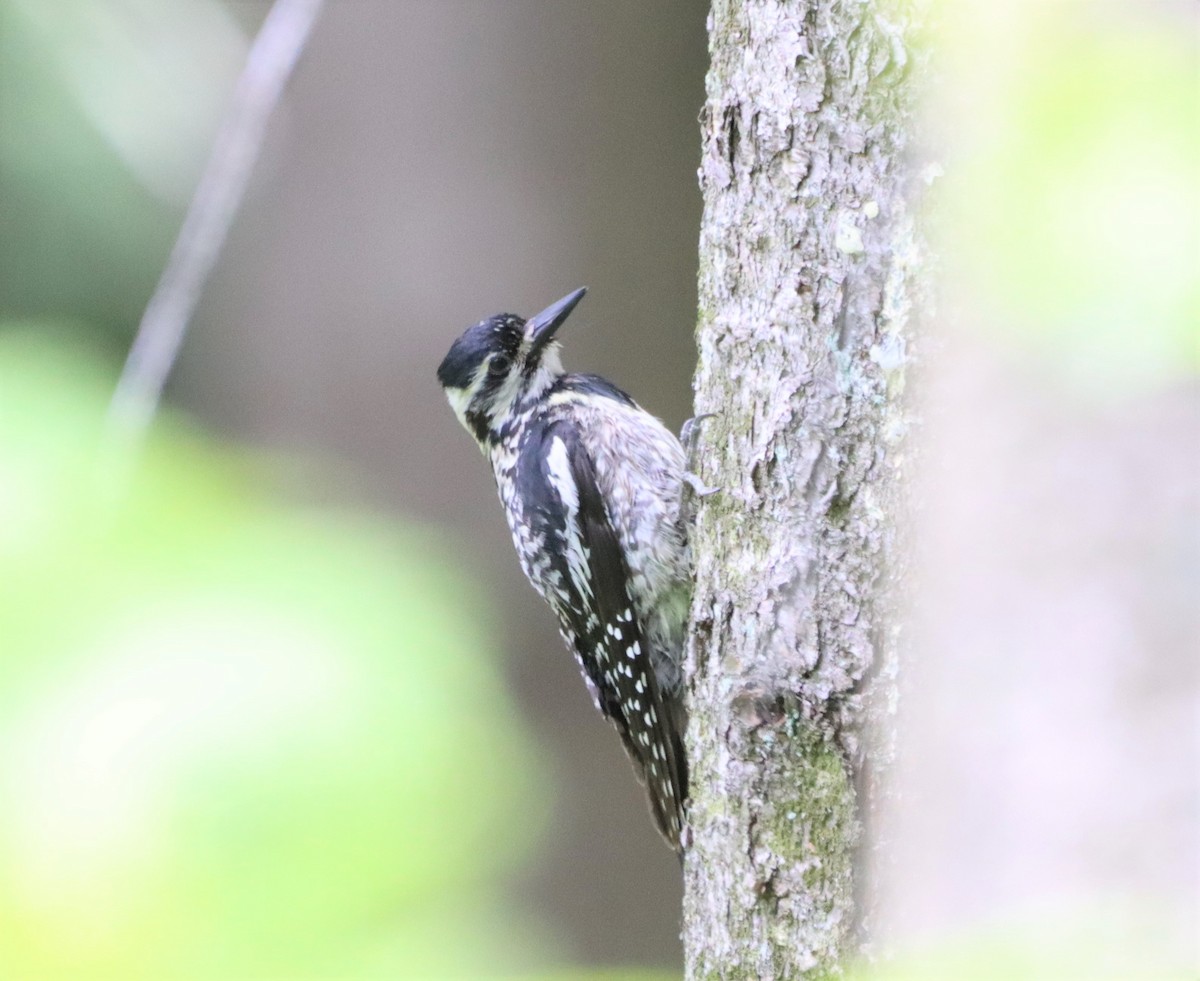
236 740
627 974
1086 945
1073 209
106 114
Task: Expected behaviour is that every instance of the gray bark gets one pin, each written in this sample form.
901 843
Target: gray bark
809 265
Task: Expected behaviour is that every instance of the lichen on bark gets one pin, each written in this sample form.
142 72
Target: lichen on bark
808 266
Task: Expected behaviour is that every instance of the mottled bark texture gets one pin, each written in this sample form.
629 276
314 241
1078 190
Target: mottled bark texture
808 272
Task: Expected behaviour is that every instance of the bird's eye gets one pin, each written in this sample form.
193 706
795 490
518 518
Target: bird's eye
498 365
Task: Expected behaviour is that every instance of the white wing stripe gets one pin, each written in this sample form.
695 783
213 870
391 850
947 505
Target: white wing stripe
577 553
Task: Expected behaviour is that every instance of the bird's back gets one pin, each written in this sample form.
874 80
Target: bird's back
591 487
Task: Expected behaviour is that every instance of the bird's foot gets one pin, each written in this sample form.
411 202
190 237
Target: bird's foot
689 436
698 486
695 488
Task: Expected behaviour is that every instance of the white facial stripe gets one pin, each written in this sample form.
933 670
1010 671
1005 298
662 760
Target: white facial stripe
459 399
551 362
501 400
507 392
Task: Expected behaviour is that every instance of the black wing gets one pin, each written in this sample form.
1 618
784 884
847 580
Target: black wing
588 586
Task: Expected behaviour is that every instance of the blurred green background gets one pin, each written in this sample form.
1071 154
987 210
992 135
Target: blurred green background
287 708
239 738
263 715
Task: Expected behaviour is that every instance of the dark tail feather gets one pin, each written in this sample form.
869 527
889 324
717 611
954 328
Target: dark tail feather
668 794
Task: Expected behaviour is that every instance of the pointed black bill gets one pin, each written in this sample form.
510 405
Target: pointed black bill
543 326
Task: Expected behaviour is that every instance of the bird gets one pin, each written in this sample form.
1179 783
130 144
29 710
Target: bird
592 487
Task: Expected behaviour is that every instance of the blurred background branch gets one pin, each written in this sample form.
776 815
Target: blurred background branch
160 334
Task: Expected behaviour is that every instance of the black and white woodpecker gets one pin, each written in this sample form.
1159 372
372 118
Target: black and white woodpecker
591 484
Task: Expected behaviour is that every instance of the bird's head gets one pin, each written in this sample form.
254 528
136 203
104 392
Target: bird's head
502 364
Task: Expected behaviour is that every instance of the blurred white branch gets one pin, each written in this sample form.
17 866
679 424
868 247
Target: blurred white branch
218 195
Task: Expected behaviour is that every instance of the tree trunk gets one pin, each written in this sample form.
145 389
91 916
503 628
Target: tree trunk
808 271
